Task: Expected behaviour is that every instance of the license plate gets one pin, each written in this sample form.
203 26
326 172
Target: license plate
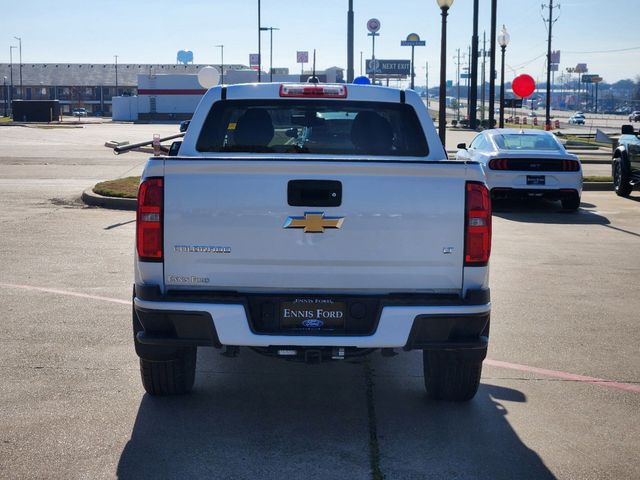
535 179
312 314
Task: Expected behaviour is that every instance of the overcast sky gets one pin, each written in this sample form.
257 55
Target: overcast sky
145 31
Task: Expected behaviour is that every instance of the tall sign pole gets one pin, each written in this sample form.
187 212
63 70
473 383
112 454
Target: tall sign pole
413 41
350 73
373 25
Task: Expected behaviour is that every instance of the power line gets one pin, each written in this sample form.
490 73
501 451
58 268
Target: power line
607 51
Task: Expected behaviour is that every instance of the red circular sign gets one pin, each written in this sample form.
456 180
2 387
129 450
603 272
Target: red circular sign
523 85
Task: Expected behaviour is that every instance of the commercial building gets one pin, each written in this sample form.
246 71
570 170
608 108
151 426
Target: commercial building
161 91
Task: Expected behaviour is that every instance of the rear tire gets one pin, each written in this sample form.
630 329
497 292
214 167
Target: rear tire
165 370
571 203
447 376
621 178
170 377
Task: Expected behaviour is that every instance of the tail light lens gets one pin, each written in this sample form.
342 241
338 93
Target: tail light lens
570 166
499 164
477 239
149 220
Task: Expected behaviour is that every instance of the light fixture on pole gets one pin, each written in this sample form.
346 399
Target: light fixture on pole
20 53
221 47
444 5
271 29
503 41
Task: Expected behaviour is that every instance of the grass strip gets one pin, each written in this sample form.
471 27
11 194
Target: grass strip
120 187
598 178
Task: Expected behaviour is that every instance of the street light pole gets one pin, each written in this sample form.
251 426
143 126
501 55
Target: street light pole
547 120
503 40
442 114
11 47
6 96
20 53
271 29
116 57
221 47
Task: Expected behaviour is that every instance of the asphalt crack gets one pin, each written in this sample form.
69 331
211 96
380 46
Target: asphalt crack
374 446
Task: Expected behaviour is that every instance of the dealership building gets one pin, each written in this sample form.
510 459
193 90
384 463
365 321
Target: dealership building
160 91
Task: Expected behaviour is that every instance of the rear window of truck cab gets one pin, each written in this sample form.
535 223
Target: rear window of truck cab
302 126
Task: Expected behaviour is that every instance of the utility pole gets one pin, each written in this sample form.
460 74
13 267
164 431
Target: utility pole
492 64
350 43
426 87
360 62
484 69
551 21
457 58
473 97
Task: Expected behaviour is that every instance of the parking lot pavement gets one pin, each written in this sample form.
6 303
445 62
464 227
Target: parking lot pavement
564 293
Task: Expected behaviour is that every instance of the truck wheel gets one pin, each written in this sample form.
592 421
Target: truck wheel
449 377
621 178
170 377
165 370
571 202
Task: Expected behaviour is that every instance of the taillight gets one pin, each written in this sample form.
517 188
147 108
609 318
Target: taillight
313 90
477 229
499 164
570 166
149 220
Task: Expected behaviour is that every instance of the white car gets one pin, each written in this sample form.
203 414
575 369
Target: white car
577 119
526 163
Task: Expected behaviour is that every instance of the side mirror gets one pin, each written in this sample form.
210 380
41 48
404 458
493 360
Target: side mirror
462 146
184 125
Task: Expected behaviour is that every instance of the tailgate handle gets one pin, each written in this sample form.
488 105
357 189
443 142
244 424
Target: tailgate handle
314 193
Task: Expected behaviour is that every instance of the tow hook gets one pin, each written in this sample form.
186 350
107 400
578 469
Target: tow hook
312 356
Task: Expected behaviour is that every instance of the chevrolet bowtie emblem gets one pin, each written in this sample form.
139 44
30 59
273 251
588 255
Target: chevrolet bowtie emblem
313 222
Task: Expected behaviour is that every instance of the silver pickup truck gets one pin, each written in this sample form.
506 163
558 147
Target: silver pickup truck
312 222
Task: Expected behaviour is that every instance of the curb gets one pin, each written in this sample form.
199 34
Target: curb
597 187
89 197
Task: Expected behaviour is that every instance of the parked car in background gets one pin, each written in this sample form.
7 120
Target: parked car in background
526 163
577 119
625 166
634 116
79 112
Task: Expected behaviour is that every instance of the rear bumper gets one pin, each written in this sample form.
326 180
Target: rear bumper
498 193
517 180
434 323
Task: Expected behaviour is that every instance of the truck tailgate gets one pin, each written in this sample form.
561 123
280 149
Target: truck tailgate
402 227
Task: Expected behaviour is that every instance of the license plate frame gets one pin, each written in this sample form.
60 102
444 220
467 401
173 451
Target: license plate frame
312 314
536 180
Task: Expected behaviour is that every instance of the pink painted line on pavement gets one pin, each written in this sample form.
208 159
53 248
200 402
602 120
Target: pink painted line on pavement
629 387
68 293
